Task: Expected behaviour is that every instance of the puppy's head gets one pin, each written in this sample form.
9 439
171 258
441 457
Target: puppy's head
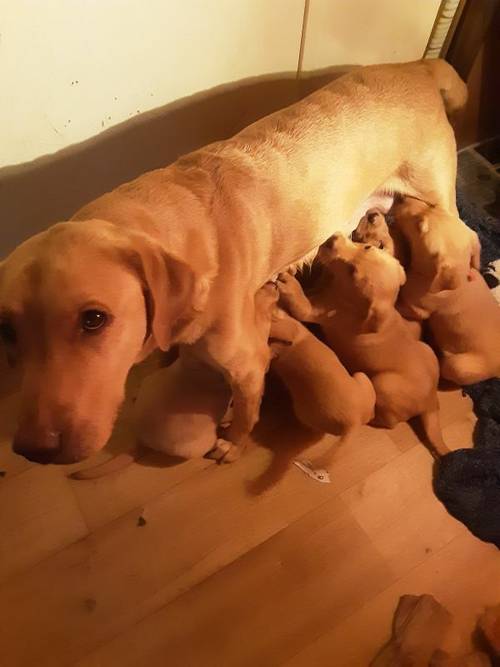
362 273
442 246
374 230
79 305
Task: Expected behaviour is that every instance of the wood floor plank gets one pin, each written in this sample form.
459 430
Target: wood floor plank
453 405
399 511
128 571
464 576
264 606
38 516
459 434
248 564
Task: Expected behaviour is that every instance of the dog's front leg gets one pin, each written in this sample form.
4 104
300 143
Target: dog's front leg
246 378
240 349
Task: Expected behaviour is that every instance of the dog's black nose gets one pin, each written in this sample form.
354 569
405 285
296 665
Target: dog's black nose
44 454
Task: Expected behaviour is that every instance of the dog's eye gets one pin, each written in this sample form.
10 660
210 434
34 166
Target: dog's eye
381 245
91 320
367 247
7 333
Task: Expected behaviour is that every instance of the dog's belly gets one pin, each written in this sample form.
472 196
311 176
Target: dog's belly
381 201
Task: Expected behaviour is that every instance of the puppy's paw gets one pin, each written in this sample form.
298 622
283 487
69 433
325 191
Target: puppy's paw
290 290
287 283
224 451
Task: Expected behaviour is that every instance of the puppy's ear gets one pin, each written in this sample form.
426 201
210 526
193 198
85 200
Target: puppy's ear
172 292
377 306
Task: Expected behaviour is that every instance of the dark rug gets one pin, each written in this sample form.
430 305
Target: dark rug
467 481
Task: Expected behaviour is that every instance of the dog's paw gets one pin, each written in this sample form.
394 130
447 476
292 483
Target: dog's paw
224 451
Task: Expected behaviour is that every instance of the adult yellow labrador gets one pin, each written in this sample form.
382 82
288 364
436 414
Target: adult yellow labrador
177 255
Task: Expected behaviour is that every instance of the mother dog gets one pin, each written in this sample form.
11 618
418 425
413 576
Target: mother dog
176 256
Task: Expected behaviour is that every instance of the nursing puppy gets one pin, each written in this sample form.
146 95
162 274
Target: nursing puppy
445 257
177 412
465 330
325 397
354 303
178 408
373 229
442 252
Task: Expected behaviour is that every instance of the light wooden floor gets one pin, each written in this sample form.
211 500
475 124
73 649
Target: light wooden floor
224 573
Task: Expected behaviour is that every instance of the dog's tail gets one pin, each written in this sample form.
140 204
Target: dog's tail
453 90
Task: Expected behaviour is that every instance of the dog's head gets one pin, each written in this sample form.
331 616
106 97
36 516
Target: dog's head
363 274
373 229
443 248
79 305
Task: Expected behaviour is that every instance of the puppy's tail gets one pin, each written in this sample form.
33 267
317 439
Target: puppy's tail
116 464
453 90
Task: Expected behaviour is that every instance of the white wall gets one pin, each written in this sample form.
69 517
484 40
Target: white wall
71 68
367 31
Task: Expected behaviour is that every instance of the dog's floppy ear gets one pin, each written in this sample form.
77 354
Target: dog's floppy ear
377 306
172 291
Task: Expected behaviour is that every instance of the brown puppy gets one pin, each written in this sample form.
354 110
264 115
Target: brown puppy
177 412
442 251
325 397
179 408
177 255
355 306
465 329
374 230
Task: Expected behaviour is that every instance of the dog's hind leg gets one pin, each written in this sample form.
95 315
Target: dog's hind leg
430 175
432 430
